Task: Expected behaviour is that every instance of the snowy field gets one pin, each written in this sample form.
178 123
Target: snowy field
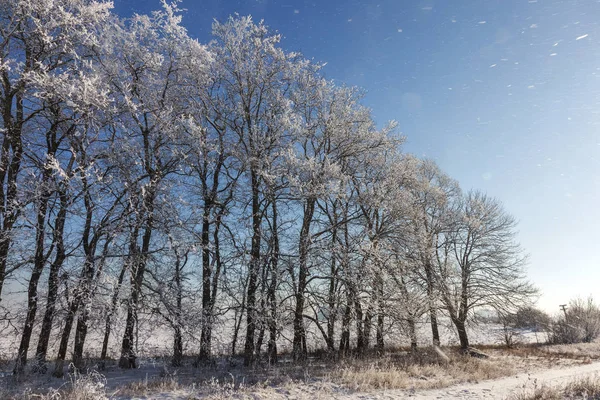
318 378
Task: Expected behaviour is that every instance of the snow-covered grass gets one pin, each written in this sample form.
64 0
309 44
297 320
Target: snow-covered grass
583 388
89 386
425 370
397 369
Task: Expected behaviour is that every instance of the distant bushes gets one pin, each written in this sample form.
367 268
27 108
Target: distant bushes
531 318
579 323
525 318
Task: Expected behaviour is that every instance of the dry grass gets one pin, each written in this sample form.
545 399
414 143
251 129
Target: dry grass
420 371
90 386
539 393
588 388
148 386
313 379
585 388
577 351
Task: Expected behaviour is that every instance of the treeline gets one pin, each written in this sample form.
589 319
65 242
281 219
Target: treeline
145 173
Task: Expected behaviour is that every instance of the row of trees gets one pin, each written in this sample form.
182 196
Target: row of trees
230 183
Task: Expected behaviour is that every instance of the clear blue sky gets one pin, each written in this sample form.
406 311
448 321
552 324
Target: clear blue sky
503 94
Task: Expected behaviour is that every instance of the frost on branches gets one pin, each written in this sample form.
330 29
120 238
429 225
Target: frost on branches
226 194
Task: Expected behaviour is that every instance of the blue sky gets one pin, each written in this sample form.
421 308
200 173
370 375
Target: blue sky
503 94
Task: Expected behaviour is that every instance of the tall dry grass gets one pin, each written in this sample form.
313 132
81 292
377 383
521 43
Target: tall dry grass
583 388
424 370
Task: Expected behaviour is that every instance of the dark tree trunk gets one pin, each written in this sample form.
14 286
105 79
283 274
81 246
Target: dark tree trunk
111 312
260 339
368 324
412 332
360 336
380 313
53 283
80 334
237 326
128 357
272 288
432 307
177 323
249 345
462 333
379 336
177 347
38 267
331 292
206 333
66 333
82 319
89 241
434 326
11 155
345 336
299 350
332 313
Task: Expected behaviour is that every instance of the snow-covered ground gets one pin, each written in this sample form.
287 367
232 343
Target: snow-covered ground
154 360
498 389
502 388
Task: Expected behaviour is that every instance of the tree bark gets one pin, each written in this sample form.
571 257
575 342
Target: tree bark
111 312
432 308
249 345
53 282
345 336
299 350
11 155
462 333
38 267
128 357
66 333
272 288
412 332
207 319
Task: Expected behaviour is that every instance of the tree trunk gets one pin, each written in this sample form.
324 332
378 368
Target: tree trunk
53 282
331 300
177 337
89 242
432 308
360 337
380 313
64 340
111 312
249 345
38 267
128 357
462 333
11 155
345 336
412 332
177 347
299 350
206 333
368 324
272 288
80 334
379 337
